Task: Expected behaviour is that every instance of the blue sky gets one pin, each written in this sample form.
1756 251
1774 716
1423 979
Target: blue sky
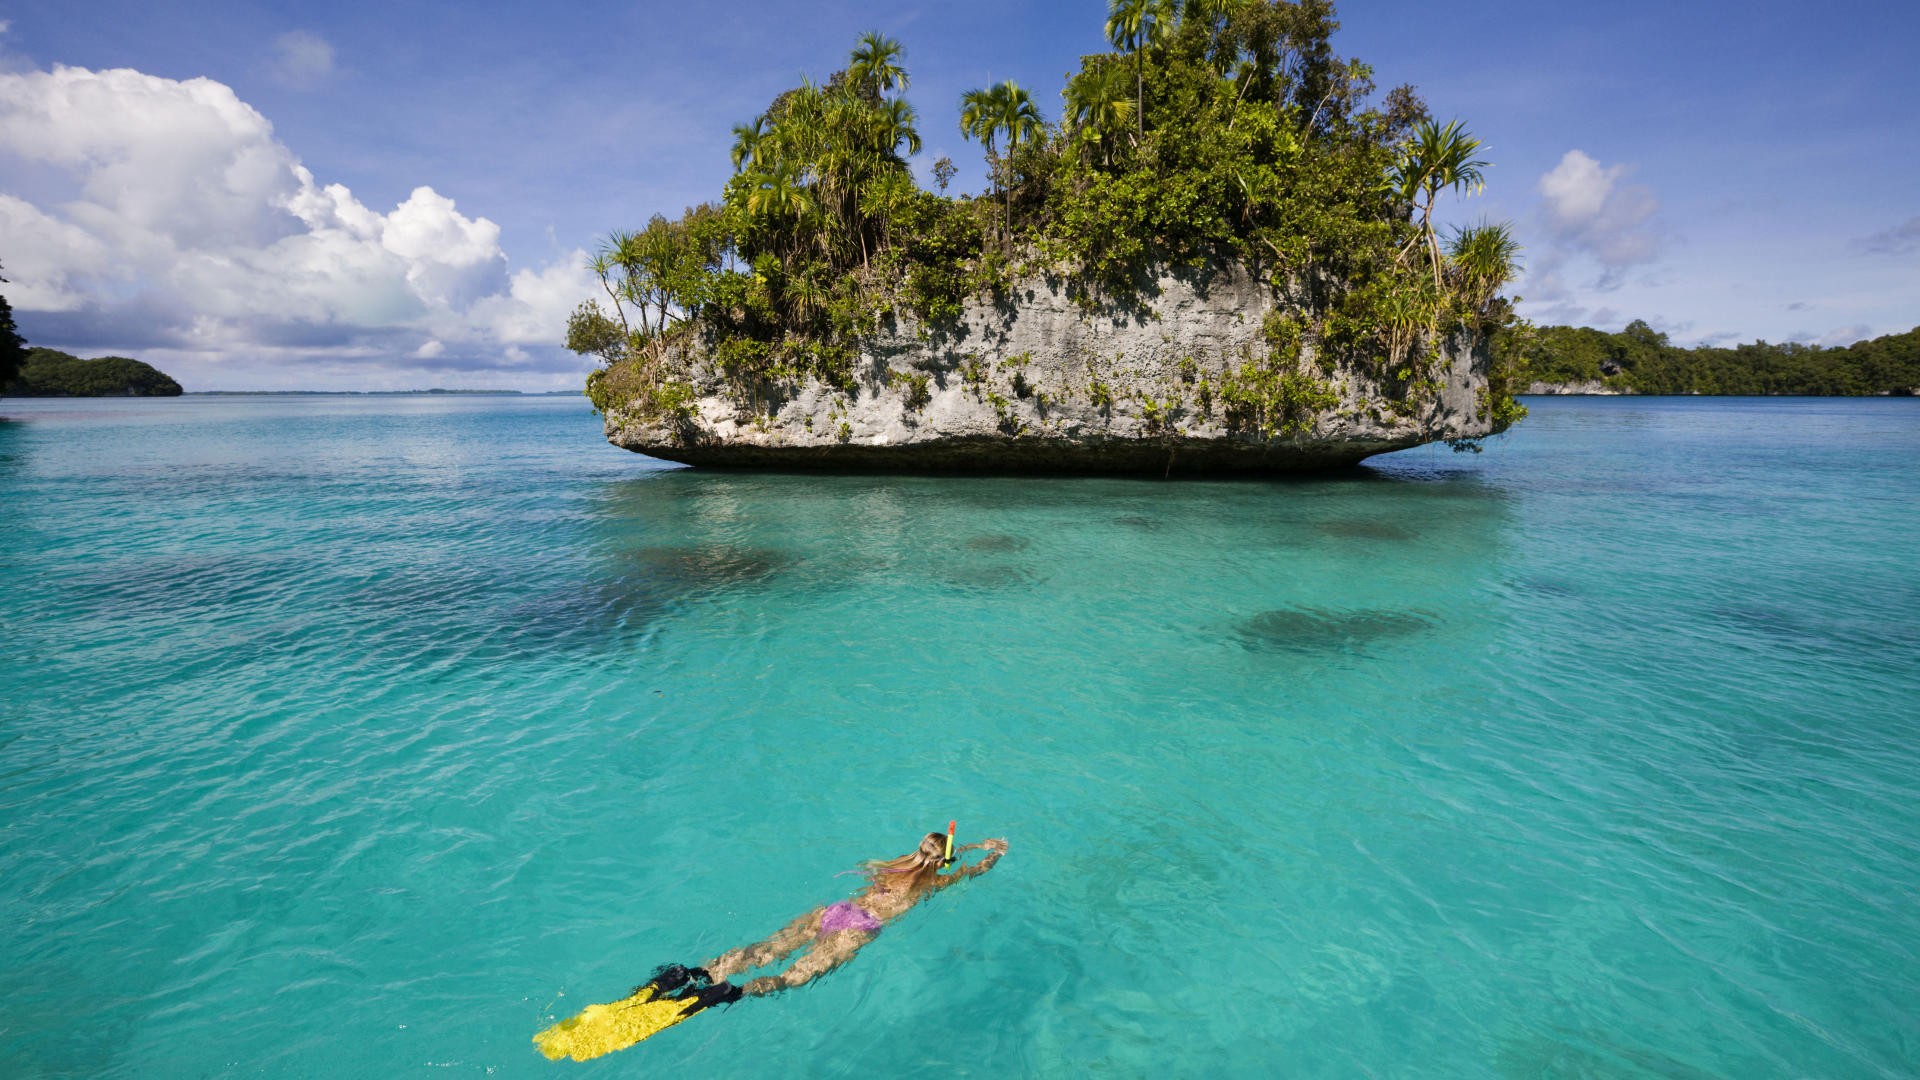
399 195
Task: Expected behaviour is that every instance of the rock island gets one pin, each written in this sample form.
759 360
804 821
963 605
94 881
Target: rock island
1221 257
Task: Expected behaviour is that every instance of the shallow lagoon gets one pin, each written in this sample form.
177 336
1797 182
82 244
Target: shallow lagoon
364 736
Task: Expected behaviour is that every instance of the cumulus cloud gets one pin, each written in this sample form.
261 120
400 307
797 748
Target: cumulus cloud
185 224
301 60
1902 239
1589 213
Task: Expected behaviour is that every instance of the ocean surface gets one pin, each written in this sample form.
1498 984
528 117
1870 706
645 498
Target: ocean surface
367 736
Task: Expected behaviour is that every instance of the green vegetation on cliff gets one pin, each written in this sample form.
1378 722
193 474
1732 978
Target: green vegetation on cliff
1640 360
52 373
1218 131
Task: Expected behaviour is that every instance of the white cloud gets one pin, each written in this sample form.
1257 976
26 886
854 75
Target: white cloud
185 225
1589 213
301 59
42 282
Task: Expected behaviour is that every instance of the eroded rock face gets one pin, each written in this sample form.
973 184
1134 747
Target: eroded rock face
1038 383
1591 388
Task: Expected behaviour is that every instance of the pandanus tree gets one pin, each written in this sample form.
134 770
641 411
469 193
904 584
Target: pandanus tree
1133 25
655 272
1436 159
1006 109
1483 259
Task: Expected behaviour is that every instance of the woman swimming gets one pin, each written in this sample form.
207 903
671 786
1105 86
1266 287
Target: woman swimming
834 933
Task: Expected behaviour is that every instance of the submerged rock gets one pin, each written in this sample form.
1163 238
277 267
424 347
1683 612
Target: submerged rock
1042 380
1320 630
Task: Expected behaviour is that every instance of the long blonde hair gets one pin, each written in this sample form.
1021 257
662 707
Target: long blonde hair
924 860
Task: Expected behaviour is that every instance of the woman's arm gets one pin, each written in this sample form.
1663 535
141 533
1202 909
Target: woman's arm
994 848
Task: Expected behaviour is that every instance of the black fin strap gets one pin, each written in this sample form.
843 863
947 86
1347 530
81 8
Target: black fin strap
721 993
670 977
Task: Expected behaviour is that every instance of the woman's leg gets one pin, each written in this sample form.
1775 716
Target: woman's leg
827 953
760 954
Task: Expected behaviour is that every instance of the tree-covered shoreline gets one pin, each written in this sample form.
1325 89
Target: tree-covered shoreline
1640 360
52 373
1217 132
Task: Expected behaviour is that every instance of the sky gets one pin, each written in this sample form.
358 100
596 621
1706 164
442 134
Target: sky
399 195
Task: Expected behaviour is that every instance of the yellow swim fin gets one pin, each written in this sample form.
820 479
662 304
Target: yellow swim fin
649 1010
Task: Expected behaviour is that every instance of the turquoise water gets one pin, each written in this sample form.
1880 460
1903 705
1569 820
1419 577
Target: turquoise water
366 736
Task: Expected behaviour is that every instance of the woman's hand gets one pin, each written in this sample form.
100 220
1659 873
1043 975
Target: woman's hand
995 845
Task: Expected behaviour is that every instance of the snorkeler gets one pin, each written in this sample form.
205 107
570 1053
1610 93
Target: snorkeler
835 932
832 935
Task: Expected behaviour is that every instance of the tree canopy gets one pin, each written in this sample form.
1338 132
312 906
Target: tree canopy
52 373
13 348
1640 359
1218 130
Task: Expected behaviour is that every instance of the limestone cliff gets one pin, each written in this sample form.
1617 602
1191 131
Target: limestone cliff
1588 388
1037 380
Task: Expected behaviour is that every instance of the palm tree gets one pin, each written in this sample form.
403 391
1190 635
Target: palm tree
746 143
1097 103
1212 11
1437 159
895 126
1483 259
1133 25
874 66
777 193
884 196
1005 109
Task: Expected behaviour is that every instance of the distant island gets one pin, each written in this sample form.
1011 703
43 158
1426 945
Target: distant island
1640 360
52 373
1222 257
454 391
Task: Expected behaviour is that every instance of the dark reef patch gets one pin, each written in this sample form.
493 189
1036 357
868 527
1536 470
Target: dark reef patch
1320 630
1357 529
998 542
703 567
988 576
646 585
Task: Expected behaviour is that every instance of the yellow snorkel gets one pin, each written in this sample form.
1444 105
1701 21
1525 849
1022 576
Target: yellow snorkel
948 861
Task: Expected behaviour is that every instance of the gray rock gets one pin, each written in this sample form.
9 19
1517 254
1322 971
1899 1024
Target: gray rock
1040 383
1589 388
